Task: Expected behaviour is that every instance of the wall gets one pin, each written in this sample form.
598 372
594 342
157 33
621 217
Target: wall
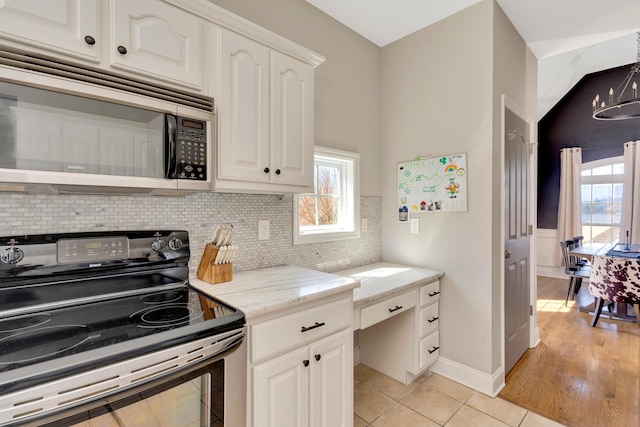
515 75
198 214
570 124
438 87
347 84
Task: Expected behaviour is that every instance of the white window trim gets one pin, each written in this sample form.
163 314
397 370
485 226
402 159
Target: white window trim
352 205
602 179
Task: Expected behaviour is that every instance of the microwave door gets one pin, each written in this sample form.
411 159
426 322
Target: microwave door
59 132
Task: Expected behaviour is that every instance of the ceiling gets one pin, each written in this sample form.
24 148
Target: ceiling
570 38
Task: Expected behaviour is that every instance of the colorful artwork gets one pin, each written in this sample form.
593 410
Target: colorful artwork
435 184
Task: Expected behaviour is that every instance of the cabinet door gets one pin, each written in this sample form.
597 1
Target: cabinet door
281 391
153 38
292 136
331 403
56 25
243 148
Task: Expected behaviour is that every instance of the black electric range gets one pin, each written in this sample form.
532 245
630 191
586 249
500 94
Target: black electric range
73 302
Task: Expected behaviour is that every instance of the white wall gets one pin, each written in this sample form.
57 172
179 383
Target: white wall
347 84
440 96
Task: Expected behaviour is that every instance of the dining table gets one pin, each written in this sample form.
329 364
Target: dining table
622 310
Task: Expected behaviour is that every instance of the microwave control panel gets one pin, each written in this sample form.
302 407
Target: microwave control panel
191 149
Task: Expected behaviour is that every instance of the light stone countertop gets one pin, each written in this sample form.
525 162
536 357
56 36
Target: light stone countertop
382 279
266 290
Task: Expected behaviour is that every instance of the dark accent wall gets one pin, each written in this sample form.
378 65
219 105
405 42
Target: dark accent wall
570 124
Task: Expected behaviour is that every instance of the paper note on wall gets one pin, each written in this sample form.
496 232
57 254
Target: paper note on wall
435 184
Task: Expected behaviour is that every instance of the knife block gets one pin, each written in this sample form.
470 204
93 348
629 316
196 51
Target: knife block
210 272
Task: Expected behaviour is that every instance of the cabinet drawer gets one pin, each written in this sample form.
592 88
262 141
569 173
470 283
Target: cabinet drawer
385 309
429 349
429 320
278 335
429 293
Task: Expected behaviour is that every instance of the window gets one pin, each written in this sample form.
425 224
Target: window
601 189
331 212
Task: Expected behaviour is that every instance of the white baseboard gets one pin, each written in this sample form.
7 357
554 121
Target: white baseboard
479 381
547 271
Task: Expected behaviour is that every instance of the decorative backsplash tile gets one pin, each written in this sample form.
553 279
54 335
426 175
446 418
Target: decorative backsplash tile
198 214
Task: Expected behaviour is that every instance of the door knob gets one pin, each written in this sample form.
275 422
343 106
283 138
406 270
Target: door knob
507 254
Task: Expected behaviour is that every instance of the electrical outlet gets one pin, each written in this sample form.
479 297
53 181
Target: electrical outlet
263 229
363 224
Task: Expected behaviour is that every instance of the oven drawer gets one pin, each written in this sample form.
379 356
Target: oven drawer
386 309
429 293
286 332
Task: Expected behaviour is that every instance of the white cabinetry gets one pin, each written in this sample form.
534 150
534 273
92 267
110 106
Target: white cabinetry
427 326
266 119
302 367
149 38
156 39
67 27
399 334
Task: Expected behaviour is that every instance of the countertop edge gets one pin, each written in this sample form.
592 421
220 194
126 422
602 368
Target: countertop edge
396 290
253 310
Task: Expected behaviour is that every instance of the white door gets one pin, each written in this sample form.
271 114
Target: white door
517 267
243 148
291 121
281 391
332 381
156 39
69 27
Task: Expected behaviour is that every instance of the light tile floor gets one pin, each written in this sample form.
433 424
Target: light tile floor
431 401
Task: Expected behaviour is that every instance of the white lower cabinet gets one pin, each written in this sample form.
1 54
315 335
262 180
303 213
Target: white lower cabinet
428 325
399 334
308 379
311 386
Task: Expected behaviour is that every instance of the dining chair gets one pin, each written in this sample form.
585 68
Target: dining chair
577 241
575 272
615 279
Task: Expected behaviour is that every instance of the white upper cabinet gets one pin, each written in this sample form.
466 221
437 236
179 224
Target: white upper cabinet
266 119
68 27
156 39
243 113
291 121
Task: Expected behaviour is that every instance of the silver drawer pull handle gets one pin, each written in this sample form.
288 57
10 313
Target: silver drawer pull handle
398 307
433 294
433 319
308 328
433 349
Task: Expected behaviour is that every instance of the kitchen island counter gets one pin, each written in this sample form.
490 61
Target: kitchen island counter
267 290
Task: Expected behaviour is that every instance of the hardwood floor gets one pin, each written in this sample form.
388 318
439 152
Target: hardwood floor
578 375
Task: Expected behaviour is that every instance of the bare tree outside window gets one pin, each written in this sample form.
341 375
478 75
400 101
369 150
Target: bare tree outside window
321 208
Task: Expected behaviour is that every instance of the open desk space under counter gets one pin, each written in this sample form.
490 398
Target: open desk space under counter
299 344
396 312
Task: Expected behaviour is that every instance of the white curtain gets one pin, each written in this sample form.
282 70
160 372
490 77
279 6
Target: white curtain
569 207
630 219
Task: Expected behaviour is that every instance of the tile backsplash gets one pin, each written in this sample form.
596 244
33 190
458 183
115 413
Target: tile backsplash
198 214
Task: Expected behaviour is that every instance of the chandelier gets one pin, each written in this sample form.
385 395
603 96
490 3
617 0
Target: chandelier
623 103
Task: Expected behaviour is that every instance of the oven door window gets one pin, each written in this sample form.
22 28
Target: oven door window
194 400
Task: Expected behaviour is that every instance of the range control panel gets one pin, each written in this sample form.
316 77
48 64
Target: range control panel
71 251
